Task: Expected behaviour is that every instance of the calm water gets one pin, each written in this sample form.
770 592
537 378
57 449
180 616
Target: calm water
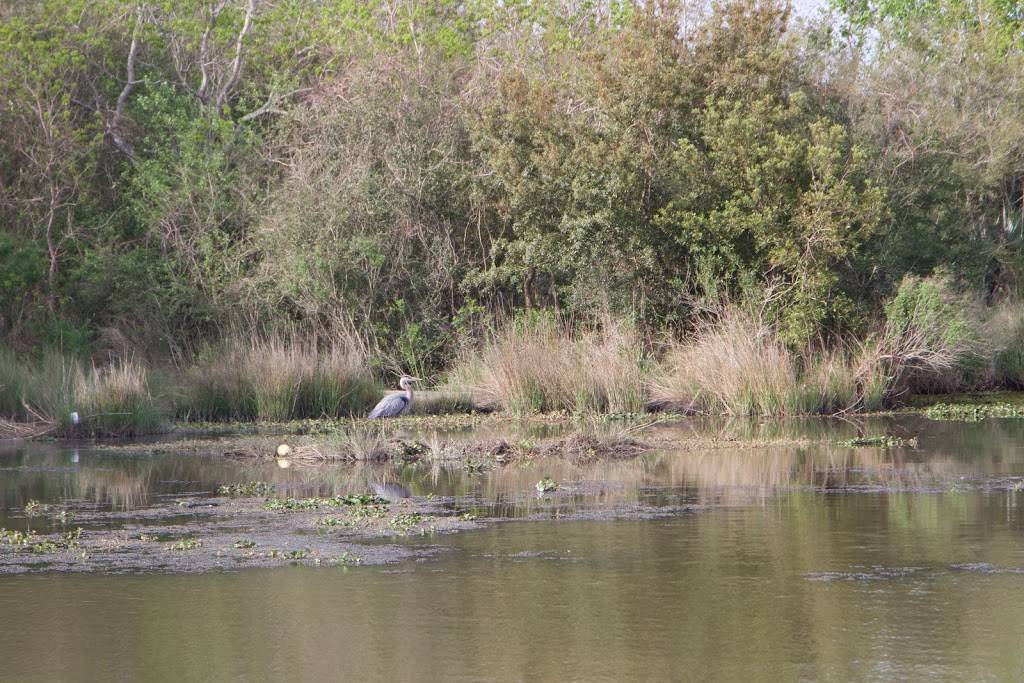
806 562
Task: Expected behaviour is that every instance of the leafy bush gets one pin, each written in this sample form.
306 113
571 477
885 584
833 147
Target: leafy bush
931 338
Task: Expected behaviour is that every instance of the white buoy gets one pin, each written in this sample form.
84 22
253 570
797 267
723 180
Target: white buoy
283 450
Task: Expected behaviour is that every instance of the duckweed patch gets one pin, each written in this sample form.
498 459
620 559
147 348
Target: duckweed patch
289 504
404 523
250 489
880 441
333 521
186 544
971 412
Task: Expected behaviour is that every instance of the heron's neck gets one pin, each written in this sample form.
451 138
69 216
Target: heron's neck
408 392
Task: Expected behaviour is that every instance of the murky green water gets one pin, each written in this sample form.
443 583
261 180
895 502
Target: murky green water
806 562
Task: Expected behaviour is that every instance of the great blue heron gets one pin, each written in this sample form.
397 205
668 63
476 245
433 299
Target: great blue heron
395 404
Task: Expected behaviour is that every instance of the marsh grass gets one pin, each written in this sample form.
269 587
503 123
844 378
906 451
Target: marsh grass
110 400
15 384
536 364
931 340
277 379
735 363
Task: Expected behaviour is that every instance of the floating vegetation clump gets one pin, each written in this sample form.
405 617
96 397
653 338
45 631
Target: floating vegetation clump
967 412
334 521
18 539
347 559
317 503
186 544
39 545
880 441
34 507
245 543
405 522
546 485
250 489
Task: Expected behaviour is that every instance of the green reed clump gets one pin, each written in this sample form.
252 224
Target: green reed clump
278 379
114 400
16 382
110 400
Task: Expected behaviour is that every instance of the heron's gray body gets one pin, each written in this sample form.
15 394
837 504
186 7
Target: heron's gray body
390 406
395 404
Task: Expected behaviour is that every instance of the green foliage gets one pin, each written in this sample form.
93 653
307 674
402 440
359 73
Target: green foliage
938 318
419 173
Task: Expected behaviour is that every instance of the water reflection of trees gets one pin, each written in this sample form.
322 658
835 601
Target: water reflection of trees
705 461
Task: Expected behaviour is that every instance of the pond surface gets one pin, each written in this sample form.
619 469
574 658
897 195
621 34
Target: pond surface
798 560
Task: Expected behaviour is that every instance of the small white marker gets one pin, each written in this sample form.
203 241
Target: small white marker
74 418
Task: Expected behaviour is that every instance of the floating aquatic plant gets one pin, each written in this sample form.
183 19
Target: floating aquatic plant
403 523
880 441
250 489
546 485
968 412
316 503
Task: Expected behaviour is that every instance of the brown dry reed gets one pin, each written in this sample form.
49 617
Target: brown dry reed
537 364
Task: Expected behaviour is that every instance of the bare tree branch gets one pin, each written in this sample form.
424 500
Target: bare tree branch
236 63
204 50
115 126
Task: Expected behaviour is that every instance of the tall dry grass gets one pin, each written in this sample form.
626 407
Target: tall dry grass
278 378
536 364
734 363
